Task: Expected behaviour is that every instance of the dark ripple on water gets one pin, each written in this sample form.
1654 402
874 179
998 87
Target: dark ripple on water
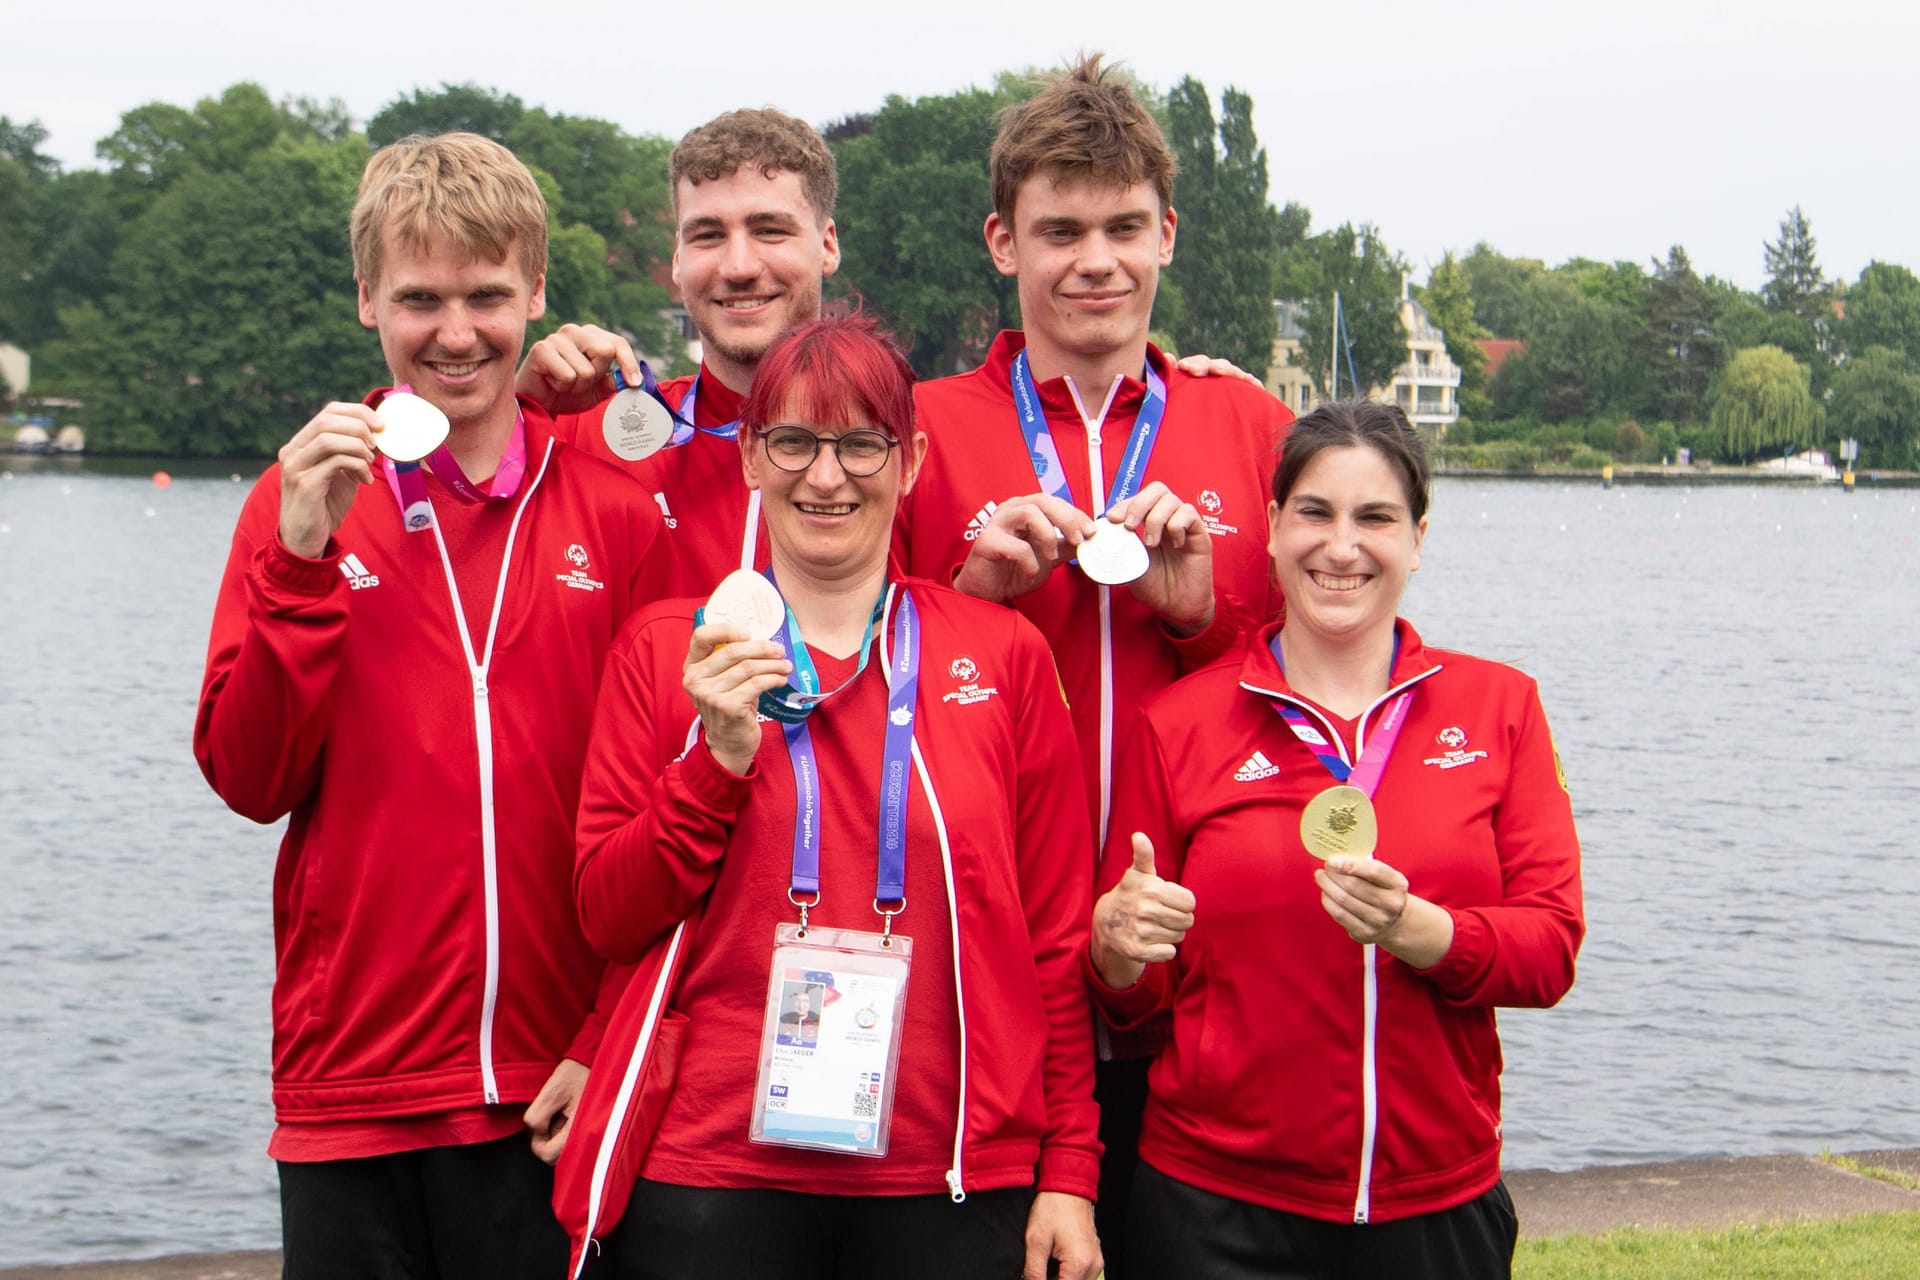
1730 674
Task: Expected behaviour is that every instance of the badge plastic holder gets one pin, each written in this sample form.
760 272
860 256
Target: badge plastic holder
830 1043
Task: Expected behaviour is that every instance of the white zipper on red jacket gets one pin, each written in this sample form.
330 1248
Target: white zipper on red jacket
750 536
483 736
1370 955
1097 482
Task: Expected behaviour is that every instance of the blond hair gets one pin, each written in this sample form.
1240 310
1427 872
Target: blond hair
1085 124
460 188
770 141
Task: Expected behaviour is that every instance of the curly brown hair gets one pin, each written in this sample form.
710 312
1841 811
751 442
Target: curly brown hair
769 140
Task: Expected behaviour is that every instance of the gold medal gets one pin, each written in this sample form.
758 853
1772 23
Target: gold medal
1339 821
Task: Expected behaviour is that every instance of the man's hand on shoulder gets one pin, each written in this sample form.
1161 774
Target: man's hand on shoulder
568 371
1199 366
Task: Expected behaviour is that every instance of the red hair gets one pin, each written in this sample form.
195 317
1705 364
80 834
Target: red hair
841 371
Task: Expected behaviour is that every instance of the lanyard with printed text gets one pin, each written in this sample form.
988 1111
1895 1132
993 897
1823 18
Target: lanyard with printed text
1364 774
410 486
903 684
1045 455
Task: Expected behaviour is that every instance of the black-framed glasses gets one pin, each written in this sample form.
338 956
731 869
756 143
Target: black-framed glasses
860 452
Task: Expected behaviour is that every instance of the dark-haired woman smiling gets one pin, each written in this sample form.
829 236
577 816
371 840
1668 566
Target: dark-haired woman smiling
1333 857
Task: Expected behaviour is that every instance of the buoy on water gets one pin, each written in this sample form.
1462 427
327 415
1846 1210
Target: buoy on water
1606 476
1846 481
161 479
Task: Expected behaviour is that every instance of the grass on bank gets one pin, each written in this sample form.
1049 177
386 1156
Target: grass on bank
1876 1246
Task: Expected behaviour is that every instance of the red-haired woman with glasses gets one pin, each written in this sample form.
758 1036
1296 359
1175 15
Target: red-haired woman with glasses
876 819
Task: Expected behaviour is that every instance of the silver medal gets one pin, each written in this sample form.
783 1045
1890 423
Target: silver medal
1114 555
414 427
746 599
636 425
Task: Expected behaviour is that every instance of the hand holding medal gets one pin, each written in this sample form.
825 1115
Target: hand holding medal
414 427
731 661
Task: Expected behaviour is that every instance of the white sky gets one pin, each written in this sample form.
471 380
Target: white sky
1608 131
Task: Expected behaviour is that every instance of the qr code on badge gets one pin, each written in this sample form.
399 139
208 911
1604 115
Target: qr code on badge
866 1106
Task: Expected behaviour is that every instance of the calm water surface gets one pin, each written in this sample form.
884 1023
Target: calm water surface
1731 674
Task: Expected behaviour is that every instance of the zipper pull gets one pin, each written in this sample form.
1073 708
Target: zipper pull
954 1188
479 684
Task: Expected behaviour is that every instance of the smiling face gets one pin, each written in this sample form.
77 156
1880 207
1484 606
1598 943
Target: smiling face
452 327
822 522
749 255
1087 257
1343 542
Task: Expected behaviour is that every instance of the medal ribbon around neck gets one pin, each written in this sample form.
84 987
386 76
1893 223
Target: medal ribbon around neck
410 486
1045 455
1364 775
890 877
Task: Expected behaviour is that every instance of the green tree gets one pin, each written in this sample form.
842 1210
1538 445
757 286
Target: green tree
1883 310
914 192
231 317
1876 400
1502 289
1356 264
1678 348
1448 299
1795 283
1762 404
1229 236
452 108
16 250
76 229
1579 360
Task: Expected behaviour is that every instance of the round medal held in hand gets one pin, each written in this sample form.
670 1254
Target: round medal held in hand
636 425
1339 822
1114 555
414 427
746 599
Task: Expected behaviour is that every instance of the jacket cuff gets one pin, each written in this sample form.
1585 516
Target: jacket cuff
1219 638
295 574
712 783
1123 1007
1461 971
1073 1171
586 1043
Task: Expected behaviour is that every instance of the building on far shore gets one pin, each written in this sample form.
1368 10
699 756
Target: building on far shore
1426 385
16 369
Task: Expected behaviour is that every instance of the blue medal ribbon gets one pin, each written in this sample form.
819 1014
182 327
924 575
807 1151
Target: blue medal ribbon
903 687
683 417
1045 455
1365 774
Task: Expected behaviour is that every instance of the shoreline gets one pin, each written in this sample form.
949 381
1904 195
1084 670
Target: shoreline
1696 1194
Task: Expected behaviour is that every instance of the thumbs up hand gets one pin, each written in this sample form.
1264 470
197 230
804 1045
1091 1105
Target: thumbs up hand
1139 921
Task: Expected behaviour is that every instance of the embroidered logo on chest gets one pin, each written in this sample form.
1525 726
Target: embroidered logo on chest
1454 753
967 672
1211 506
578 578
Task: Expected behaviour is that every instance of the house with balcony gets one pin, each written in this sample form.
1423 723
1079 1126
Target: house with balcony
1426 385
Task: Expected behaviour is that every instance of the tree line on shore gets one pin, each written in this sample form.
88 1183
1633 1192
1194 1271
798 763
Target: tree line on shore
194 290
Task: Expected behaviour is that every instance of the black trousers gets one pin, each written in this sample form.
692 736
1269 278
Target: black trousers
1120 1087
705 1233
1180 1230
479 1212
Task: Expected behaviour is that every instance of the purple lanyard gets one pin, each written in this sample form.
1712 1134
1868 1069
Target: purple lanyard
683 423
890 879
1045 454
1364 775
410 487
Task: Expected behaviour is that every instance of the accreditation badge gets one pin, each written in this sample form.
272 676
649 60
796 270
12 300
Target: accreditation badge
830 1044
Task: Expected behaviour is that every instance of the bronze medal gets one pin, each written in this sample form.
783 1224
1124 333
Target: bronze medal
1339 821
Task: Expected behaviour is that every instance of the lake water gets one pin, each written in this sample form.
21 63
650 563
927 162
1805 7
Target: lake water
1732 675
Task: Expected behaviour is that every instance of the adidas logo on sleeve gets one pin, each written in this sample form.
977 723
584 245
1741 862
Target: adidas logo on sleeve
978 525
356 573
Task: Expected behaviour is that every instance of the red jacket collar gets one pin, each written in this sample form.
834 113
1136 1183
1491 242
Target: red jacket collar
1260 670
1054 395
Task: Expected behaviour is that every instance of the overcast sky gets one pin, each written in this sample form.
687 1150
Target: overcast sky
1607 131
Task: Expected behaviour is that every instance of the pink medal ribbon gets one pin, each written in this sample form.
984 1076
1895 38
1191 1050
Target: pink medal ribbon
410 487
